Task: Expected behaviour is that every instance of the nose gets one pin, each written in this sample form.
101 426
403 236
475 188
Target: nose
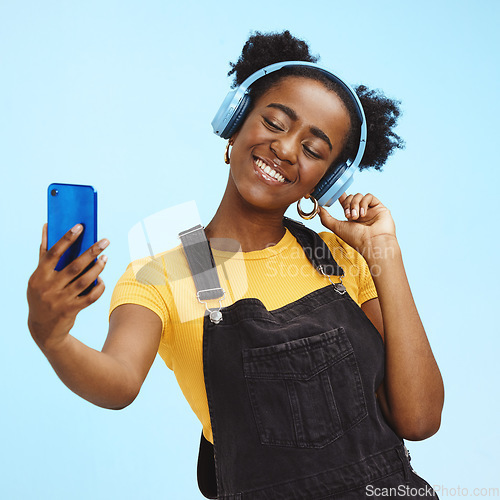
285 148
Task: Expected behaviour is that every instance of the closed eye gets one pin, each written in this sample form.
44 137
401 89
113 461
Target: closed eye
312 153
272 124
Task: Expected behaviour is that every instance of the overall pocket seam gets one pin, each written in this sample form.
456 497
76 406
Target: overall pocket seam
279 352
286 384
296 376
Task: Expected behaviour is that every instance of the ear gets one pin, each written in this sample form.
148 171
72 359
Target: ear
233 137
309 194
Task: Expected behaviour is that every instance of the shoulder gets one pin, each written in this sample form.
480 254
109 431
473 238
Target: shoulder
148 282
158 269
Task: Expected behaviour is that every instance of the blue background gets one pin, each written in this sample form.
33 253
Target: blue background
120 95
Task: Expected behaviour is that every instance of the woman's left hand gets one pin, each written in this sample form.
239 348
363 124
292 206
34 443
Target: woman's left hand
367 218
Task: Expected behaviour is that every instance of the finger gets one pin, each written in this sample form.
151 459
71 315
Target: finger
365 204
346 205
355 201
329 221
343 196
85 300
43 244
53 254
75 268
80 284
373 200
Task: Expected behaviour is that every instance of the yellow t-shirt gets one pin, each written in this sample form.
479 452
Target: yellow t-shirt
277 275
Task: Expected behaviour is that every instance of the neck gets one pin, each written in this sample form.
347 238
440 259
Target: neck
251 227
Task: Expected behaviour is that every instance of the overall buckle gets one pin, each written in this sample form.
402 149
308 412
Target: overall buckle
215 314
339 287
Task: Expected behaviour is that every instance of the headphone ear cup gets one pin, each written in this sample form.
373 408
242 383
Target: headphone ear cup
237 118
331 187
329 180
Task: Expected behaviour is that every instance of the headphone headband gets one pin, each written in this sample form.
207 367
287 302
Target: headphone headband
234 108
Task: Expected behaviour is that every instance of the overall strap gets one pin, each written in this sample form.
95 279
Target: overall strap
204 272
315 248
203 269
202 265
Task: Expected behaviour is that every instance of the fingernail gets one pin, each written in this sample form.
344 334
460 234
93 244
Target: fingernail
347 211
76 229
354 212
104 258
103 244
362 211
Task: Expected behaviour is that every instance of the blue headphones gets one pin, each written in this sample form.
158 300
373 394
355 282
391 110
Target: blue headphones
234 108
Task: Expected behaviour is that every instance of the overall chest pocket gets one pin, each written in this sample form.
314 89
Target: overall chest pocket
305 393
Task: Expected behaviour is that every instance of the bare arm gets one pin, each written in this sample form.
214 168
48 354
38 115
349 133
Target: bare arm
110 378
113 377
412 393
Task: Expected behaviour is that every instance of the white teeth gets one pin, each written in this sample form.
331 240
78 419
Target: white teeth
269 171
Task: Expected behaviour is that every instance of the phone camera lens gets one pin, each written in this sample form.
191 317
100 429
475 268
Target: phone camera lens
54 192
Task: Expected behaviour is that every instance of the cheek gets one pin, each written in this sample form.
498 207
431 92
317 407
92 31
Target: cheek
316 171
245 139
250 131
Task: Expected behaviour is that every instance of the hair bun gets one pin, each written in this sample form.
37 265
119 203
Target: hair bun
263 49
382 115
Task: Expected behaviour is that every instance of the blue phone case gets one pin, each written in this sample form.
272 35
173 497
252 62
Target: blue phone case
68 205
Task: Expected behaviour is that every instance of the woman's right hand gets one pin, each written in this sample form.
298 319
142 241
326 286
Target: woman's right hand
54 296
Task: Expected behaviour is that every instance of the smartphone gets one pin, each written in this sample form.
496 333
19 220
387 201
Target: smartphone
68 205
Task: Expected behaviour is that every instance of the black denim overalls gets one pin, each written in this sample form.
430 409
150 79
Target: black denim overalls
291 393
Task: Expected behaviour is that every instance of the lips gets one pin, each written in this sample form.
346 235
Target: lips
270 172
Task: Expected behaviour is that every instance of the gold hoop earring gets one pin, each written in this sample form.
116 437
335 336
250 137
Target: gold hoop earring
309 215
227 159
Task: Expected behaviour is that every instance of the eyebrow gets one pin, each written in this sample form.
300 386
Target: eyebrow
321 135
293 116
288 111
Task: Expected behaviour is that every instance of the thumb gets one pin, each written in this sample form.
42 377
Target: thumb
43 245
330 222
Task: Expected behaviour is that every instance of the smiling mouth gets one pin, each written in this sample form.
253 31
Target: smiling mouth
270 172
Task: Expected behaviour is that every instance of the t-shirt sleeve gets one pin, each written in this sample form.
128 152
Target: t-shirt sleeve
366 287
144 283
355 265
